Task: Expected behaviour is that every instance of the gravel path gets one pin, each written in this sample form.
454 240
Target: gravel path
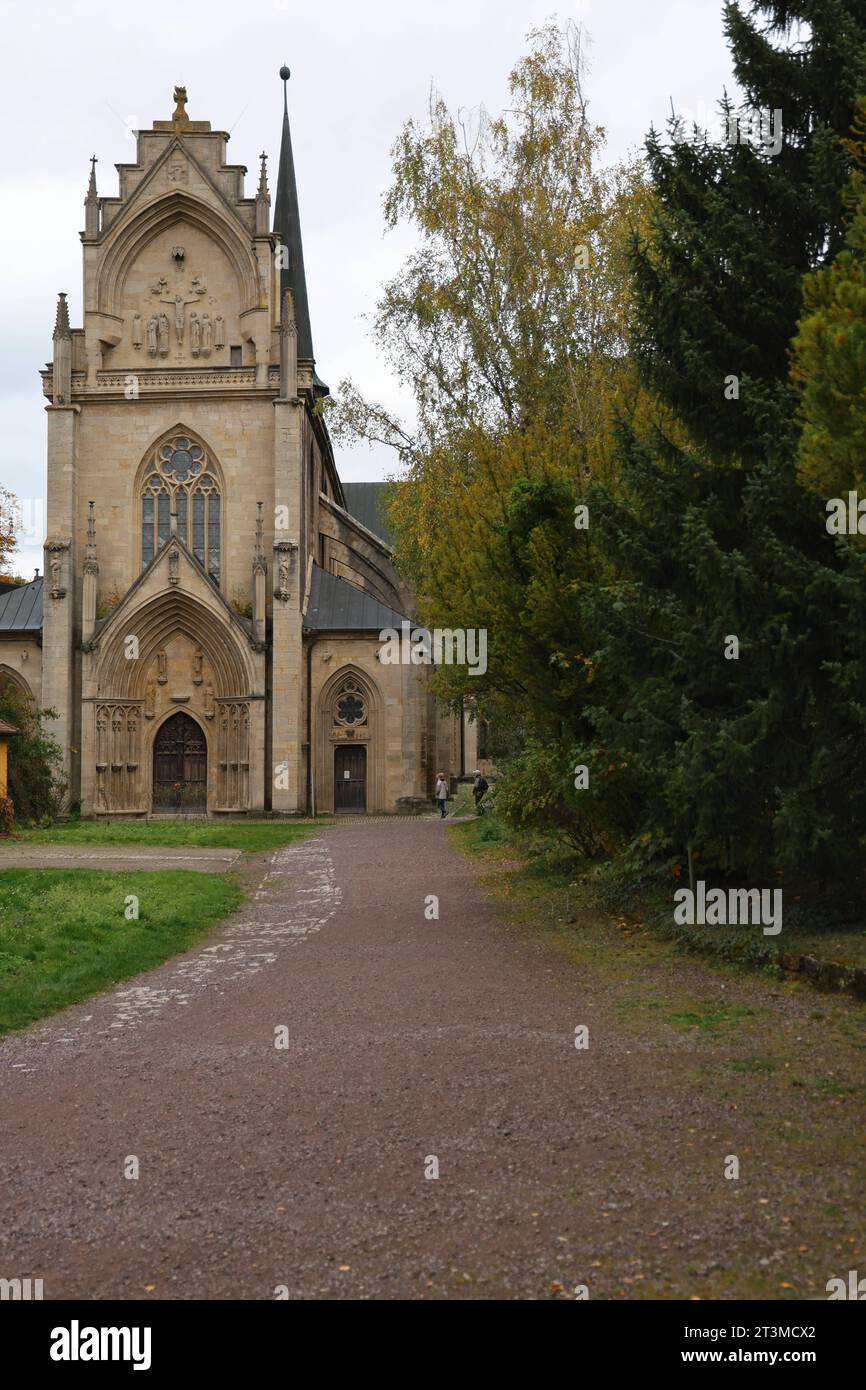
412 1042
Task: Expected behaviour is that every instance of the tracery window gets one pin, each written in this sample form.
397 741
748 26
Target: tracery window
350 704
181 473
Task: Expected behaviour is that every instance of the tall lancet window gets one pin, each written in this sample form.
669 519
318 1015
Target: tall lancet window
180 476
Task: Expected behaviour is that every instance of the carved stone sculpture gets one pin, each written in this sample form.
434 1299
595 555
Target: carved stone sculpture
136 330
152 330
162 330
149 699
194 333
219 337
206 335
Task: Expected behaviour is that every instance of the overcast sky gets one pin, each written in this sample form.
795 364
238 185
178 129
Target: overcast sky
79 75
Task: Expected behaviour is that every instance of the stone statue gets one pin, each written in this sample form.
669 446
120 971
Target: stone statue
136 330
162 330
179 306
284 576
56 571
208 701
161 667
206 336
152 327
219 339
194 333
197 660
149 699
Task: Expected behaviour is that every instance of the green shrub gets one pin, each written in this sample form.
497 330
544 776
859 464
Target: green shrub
35 783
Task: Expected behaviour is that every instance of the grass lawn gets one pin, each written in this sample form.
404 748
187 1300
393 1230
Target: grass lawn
64 934
204 834
778 1070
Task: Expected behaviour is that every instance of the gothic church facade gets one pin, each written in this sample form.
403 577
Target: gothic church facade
207 627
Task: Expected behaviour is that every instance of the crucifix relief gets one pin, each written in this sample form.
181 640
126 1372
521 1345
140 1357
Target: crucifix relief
179 308
177 302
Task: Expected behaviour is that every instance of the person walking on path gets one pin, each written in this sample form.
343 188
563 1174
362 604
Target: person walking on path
479 787
441 793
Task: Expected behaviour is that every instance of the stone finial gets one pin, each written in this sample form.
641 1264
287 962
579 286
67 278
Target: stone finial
90 549
91 203
260 570
62 357
91 571
61 322
178 115
263 201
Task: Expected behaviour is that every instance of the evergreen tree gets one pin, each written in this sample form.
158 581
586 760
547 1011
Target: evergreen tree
757 760
830 353
736 225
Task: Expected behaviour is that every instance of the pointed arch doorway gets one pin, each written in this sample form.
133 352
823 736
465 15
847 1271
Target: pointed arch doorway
180 766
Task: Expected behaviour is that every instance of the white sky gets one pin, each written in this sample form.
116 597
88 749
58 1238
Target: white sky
75 74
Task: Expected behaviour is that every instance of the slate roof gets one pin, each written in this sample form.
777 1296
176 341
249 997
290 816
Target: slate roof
21 608
336 605
8 728
366 503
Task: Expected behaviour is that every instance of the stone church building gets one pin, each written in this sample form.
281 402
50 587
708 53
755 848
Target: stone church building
207 627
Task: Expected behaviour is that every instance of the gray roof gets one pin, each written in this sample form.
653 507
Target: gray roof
366 503
21 608
336 605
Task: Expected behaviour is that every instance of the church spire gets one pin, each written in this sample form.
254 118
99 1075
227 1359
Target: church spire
287 222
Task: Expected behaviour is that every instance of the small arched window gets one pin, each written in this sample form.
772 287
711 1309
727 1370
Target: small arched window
180 477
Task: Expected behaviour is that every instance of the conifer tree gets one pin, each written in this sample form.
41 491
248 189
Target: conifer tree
758 759
829 363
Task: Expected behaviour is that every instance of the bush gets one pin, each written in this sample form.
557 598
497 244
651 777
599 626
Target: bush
537 792
7 815
35 784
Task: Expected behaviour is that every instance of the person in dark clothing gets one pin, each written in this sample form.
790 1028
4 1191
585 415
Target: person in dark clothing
479 787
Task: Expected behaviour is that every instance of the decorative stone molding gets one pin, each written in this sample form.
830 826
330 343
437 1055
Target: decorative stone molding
117 758
155 380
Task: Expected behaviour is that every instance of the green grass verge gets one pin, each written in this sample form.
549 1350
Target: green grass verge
64 934
217 834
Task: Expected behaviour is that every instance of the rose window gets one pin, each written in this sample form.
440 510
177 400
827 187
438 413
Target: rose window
350 708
